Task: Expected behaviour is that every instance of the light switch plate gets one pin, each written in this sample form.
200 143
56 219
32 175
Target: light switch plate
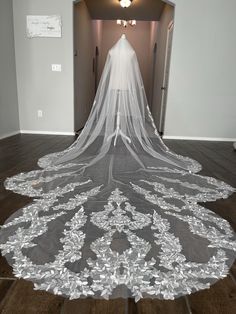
40 113
56 67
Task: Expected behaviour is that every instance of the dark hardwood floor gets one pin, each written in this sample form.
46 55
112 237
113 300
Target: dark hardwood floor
21 152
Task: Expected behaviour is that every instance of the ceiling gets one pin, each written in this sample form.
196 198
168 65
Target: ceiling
144 10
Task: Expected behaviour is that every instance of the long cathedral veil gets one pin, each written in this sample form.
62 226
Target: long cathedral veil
116 213
120 116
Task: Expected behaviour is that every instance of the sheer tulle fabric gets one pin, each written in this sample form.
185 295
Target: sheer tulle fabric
120 113
116 214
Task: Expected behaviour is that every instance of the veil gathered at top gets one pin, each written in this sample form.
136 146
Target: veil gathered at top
120 113
117 213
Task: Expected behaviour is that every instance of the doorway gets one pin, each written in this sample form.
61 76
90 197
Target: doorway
84 76
95 32
166 72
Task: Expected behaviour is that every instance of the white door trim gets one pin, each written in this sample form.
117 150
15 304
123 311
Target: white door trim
165 78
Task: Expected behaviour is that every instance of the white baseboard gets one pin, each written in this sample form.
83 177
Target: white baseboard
167 137
9 134
193 138
46 132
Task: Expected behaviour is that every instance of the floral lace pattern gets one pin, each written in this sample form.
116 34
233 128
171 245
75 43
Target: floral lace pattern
135 244
117 214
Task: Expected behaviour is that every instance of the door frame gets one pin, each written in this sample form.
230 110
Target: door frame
164 91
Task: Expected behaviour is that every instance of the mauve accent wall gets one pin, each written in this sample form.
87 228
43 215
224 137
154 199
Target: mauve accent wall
139 38
84 41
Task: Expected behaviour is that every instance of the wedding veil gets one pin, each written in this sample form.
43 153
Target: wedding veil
120 116
116 214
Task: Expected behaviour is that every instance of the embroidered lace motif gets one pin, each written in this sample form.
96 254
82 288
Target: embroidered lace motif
129 247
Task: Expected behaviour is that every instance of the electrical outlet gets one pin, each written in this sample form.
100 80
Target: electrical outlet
40 113
56 67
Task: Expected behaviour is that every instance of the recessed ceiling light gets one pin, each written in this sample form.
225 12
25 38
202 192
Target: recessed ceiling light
125 3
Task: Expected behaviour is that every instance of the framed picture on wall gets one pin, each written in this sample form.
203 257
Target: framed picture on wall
43 26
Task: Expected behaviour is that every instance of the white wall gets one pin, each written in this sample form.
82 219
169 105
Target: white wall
9 118
38 86
202 88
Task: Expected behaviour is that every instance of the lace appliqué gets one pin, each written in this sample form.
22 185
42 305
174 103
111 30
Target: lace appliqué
111 268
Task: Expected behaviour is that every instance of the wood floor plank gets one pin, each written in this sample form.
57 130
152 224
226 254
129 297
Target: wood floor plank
131 307
207 154
148 306
5 286
219 299
92 306
5 268
82 306
122 306
11 204
233 271
224 153
24 300
225 208
113 306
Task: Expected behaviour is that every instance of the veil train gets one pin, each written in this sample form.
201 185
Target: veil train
116 214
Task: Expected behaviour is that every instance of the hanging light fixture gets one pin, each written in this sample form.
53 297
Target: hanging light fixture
126 23
125 3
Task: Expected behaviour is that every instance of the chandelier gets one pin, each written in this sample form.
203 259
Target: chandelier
125 3
126 23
